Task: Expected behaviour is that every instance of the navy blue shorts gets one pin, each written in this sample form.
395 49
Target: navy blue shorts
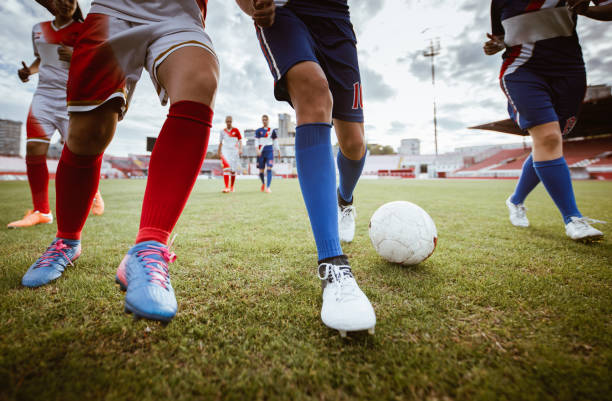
266 158
535 99
330 42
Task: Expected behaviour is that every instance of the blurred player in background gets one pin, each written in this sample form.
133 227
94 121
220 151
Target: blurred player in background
230 149
119 39
266 142
52 42
311 52
543 76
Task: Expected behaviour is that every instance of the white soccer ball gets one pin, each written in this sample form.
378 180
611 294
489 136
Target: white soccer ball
402 232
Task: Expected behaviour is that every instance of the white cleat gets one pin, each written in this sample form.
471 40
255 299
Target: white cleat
346 222
345 307
518 217
580 229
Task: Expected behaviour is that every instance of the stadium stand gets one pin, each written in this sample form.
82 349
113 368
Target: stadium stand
586 157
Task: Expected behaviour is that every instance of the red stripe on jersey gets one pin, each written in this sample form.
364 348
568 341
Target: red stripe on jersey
511 57
535 5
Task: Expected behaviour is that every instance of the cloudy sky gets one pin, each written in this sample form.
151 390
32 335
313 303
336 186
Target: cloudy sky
398 94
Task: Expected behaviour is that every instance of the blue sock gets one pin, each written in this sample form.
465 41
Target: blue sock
269 171
261 177
555 176
527 182
317 176
350 171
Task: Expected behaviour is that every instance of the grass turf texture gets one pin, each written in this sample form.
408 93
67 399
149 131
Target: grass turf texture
497 312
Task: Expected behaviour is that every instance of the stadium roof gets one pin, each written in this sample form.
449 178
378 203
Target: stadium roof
595 118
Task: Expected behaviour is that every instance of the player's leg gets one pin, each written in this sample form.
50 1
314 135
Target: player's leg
350 160
39 133
269 165
226 174
526 183
95 104
261 166
290 51
529 105
76 182
189 75
312 100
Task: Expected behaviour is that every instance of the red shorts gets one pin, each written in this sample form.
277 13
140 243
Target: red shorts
111 52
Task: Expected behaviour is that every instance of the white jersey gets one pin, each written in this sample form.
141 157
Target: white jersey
52 72
229 140
145 11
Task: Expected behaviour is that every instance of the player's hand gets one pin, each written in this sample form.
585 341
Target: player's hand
264 12
24 72
493 45
64 52
578 6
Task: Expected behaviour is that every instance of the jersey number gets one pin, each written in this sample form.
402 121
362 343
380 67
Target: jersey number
357 96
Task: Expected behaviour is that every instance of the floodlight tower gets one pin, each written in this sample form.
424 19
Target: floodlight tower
432 51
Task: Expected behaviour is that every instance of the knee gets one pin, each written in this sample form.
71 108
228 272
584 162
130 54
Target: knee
353 147
312 98
204 81
549 141
36 148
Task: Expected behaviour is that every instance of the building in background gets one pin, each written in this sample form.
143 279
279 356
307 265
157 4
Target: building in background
10 138
410 147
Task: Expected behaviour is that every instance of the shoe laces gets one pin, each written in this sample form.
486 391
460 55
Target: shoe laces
520 210
585 222
157 270
52 253
346 211
342 276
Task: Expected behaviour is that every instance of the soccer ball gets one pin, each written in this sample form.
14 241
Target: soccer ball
402 232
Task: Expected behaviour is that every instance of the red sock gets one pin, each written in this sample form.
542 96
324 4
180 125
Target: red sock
76 183
38 177
226 180
233 179
175 164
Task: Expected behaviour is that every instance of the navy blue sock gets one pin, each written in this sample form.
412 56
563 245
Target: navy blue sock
555 176
350 171
317 176
261 177
527 182
269 171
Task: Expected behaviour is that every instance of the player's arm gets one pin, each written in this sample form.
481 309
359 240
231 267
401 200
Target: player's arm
495 43
275 144
257 143
25 72
48 4
220 144
262 11
64 52
239 142
599 12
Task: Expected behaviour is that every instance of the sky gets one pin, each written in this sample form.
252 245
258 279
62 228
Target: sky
396 77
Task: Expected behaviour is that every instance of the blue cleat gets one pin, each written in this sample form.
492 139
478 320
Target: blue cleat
143 273
50 266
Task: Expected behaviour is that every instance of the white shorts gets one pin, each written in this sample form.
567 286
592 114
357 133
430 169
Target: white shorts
47 114
111 52
231 161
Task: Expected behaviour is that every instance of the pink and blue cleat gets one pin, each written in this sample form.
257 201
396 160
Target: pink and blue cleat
50 266
144 274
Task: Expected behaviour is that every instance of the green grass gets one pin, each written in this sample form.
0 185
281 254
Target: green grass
496 313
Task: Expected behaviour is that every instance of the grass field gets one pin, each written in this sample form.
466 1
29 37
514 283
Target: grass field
496 313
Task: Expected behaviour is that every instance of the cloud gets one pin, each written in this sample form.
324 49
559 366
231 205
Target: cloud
375 87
